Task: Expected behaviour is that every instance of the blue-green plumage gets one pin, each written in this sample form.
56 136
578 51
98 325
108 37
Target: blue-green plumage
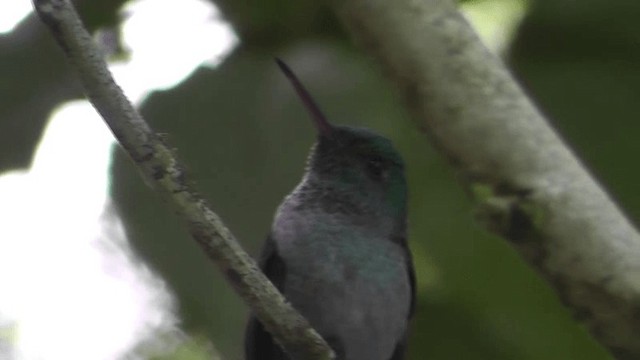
337 249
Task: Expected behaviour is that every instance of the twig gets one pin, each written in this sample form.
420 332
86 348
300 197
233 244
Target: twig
161 169
530 187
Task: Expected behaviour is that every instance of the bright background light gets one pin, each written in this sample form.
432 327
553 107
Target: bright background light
495 20
12 12
72 289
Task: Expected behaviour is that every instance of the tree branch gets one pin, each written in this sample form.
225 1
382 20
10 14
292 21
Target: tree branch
529 186
161 170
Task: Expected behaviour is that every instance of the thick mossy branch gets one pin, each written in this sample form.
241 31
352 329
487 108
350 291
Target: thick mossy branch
160 168
534 190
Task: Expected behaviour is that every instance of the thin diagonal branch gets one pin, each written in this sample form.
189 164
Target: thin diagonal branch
160 169
530 187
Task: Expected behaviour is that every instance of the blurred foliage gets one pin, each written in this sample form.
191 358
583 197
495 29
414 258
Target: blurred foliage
28 90
196 348
245 137
269 24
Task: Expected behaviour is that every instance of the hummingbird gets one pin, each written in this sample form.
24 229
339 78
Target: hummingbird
338 249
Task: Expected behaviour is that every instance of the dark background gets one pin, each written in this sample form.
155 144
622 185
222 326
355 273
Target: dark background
245 139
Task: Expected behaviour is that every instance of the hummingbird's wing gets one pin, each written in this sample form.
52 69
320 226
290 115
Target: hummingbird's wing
412 278
399 352
258 343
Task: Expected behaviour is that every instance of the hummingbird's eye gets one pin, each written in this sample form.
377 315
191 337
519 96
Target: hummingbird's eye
376 168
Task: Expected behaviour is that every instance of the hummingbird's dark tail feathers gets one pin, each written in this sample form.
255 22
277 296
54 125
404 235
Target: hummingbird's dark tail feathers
259 344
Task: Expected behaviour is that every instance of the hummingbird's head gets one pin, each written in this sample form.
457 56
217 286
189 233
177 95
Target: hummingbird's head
362 166
355 167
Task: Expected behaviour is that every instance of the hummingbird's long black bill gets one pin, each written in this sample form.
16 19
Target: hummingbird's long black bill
323 126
